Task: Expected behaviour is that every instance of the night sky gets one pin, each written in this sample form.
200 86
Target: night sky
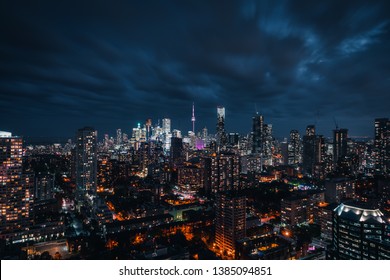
112 64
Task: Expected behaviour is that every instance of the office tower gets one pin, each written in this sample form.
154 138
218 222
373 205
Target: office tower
257 134
340 137
193 118
294 148
166 130
382 145
221 134
125 138
166 126
148 125
136 134
204 133
15 188
357 232
86 161
230 222
106 140
118 136
225 172
143 134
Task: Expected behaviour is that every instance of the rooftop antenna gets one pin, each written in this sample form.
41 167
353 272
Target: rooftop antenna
335 123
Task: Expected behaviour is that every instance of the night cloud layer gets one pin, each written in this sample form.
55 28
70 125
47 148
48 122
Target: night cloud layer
111 64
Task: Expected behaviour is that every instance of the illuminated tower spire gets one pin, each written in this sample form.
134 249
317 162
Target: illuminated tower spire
193 117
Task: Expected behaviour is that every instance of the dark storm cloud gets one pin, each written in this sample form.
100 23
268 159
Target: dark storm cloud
113 64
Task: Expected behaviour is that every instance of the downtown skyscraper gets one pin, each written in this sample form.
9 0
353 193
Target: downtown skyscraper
257 134
166 134
262 140
221 133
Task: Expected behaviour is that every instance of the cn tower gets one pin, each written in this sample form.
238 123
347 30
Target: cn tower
193 117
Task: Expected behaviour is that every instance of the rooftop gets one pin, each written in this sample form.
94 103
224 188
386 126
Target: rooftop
351 212
5 134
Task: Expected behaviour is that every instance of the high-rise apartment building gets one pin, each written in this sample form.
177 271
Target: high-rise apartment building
308 156
296 210
340 142
233 139
86 161
268 145
44 186
357 232
257 134
230 221
15 188
225 171
294 148
382 145
313 153
166 126
262 139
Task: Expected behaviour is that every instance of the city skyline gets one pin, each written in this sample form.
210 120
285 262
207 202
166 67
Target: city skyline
159 194
65 66
159 123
